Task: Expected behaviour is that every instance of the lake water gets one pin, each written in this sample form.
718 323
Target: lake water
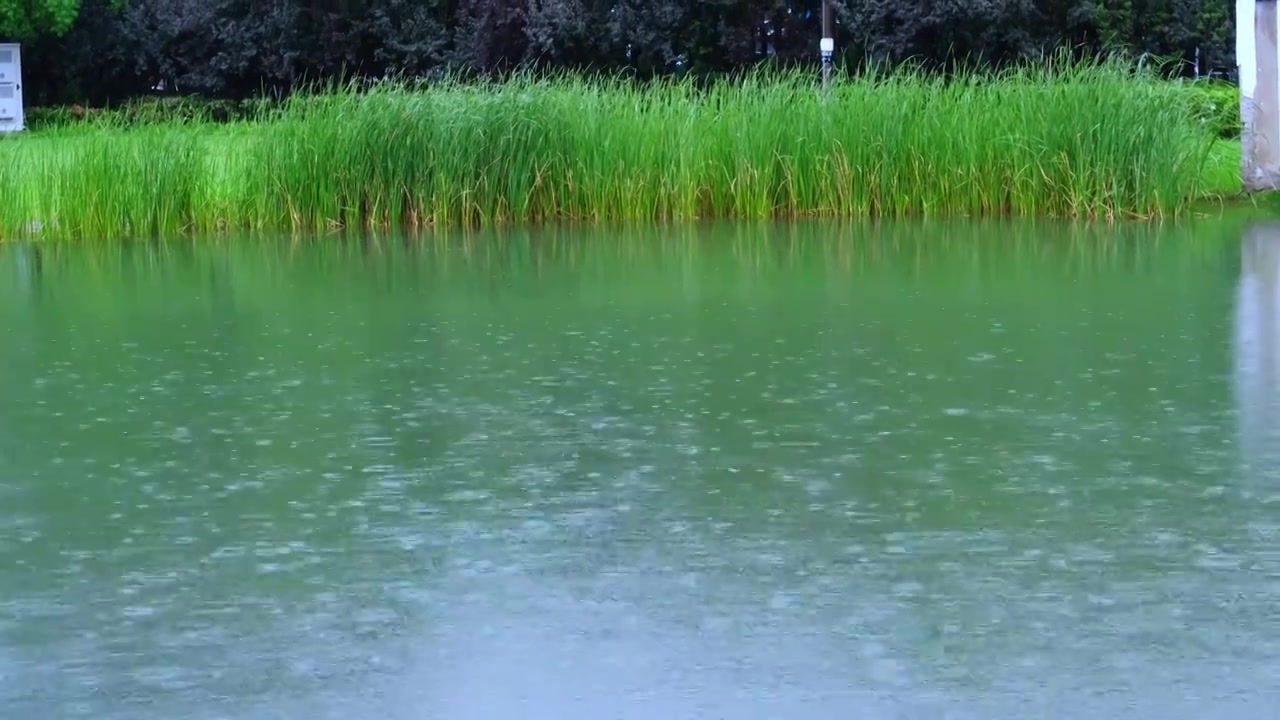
816 471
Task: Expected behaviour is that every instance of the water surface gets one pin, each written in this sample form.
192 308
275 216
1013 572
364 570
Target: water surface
814 471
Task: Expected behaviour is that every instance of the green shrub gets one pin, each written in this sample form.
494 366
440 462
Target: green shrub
149 111
47 118
1216 106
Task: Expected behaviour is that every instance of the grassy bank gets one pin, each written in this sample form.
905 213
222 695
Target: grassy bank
1096 141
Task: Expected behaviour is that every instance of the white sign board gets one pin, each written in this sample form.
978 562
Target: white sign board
11 119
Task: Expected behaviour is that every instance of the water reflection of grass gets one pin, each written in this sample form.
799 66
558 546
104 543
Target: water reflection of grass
772 256
1079 142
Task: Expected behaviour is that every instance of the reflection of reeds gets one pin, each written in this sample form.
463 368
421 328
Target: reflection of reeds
1084 141
1002 251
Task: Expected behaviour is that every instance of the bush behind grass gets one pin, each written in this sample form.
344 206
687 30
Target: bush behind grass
1068 140
1213 103
1216 105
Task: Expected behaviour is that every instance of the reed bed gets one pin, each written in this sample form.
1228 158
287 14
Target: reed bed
1079 141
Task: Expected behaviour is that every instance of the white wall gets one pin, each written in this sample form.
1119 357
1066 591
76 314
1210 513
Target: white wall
1245 49
1258 57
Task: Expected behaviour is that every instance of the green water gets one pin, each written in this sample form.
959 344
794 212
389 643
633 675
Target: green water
945 471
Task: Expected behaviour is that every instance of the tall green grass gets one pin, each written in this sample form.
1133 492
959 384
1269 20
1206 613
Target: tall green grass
1092 141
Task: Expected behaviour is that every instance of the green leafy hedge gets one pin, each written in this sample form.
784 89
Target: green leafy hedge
147 111
1216 105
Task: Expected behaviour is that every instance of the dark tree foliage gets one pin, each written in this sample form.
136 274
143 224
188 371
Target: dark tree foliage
946 31
119 49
